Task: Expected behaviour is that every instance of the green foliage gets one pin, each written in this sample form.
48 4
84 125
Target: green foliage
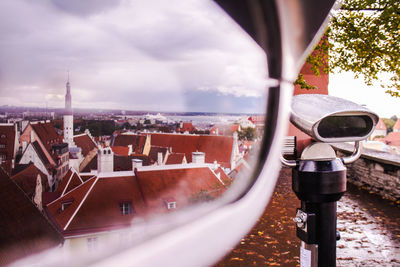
364 39
389 124
98 127
247 133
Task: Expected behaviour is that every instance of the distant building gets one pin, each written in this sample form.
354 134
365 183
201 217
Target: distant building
396 127
41 145
380 130
8 146
225 129
186 127
257 120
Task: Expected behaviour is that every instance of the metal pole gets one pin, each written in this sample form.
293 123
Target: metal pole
325 217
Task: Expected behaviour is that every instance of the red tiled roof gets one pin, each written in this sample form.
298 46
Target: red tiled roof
26 180
397 125
175 158
85 143
380 125
69 182
75 196
95 204
181 184
392 139
120 150
121 163
217 148
154 150
137 142
7 138
21 236
86 177
46 133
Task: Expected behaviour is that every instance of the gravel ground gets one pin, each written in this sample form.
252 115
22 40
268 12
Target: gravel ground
369 228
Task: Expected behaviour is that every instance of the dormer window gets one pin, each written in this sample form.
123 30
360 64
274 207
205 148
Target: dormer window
170 203
65 204
126 208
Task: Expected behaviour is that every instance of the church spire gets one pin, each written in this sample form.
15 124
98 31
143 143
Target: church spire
68 106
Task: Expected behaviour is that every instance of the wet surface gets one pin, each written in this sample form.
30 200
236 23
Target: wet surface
369 228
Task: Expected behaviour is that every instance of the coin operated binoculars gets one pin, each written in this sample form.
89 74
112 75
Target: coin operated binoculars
319 176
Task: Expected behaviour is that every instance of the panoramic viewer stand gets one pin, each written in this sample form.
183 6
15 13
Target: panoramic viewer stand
319 177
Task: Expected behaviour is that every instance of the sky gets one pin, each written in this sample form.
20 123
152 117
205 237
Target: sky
126 54
344 85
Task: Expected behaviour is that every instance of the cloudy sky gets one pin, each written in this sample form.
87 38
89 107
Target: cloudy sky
181 56
140 55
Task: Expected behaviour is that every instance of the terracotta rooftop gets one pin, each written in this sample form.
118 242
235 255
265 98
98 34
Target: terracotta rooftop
380 125
154 150
46 133
175 158
95 205
120 150
26 179
217 148
21 237
137 142
85 143
69 182
392 139
121 163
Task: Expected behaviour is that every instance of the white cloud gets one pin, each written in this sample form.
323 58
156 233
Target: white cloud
123 47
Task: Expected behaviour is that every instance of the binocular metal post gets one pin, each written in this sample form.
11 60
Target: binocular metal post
319 185
319 177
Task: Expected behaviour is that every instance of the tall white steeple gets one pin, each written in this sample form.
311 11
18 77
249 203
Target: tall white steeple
68 118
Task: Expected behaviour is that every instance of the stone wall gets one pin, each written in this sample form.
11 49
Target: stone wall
377 171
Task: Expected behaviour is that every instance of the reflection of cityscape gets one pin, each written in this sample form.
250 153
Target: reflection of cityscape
80 179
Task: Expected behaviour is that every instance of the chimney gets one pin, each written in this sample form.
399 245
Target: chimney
105 160
32 137
198 157
159 158
136 163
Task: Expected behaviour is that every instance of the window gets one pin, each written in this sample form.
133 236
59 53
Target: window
3 136
3 157
171 205
126 208
2 145
66 204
